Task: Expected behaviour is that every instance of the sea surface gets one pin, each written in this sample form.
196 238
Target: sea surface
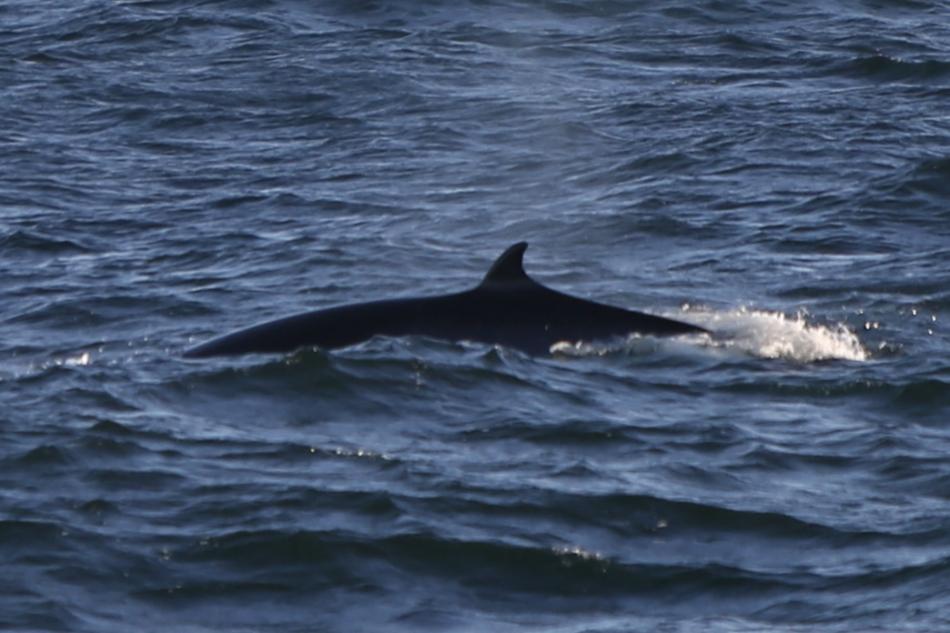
778 172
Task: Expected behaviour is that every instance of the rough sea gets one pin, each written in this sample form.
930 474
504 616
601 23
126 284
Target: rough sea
776 171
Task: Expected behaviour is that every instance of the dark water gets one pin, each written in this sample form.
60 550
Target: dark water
779 172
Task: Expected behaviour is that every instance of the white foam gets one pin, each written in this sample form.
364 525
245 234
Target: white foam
15 371
758 333
768 334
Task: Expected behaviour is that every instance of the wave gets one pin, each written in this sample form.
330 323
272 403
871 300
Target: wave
892 69
32 241
340 557
928 177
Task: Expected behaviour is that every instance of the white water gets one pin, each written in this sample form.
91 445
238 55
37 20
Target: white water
757 333
767 334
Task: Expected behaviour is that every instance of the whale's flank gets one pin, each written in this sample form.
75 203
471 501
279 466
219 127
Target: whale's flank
507 308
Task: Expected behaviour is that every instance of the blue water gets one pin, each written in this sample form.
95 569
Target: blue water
778 172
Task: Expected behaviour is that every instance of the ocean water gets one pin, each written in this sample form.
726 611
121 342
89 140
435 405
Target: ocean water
778 172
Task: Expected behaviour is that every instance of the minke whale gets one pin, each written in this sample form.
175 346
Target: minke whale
507 308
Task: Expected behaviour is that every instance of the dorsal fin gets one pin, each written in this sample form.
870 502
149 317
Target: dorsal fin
508 267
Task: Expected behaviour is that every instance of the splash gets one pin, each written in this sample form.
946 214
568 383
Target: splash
75 361
757 333
775 335
26 369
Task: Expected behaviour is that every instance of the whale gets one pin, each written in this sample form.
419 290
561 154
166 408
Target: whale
508 309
